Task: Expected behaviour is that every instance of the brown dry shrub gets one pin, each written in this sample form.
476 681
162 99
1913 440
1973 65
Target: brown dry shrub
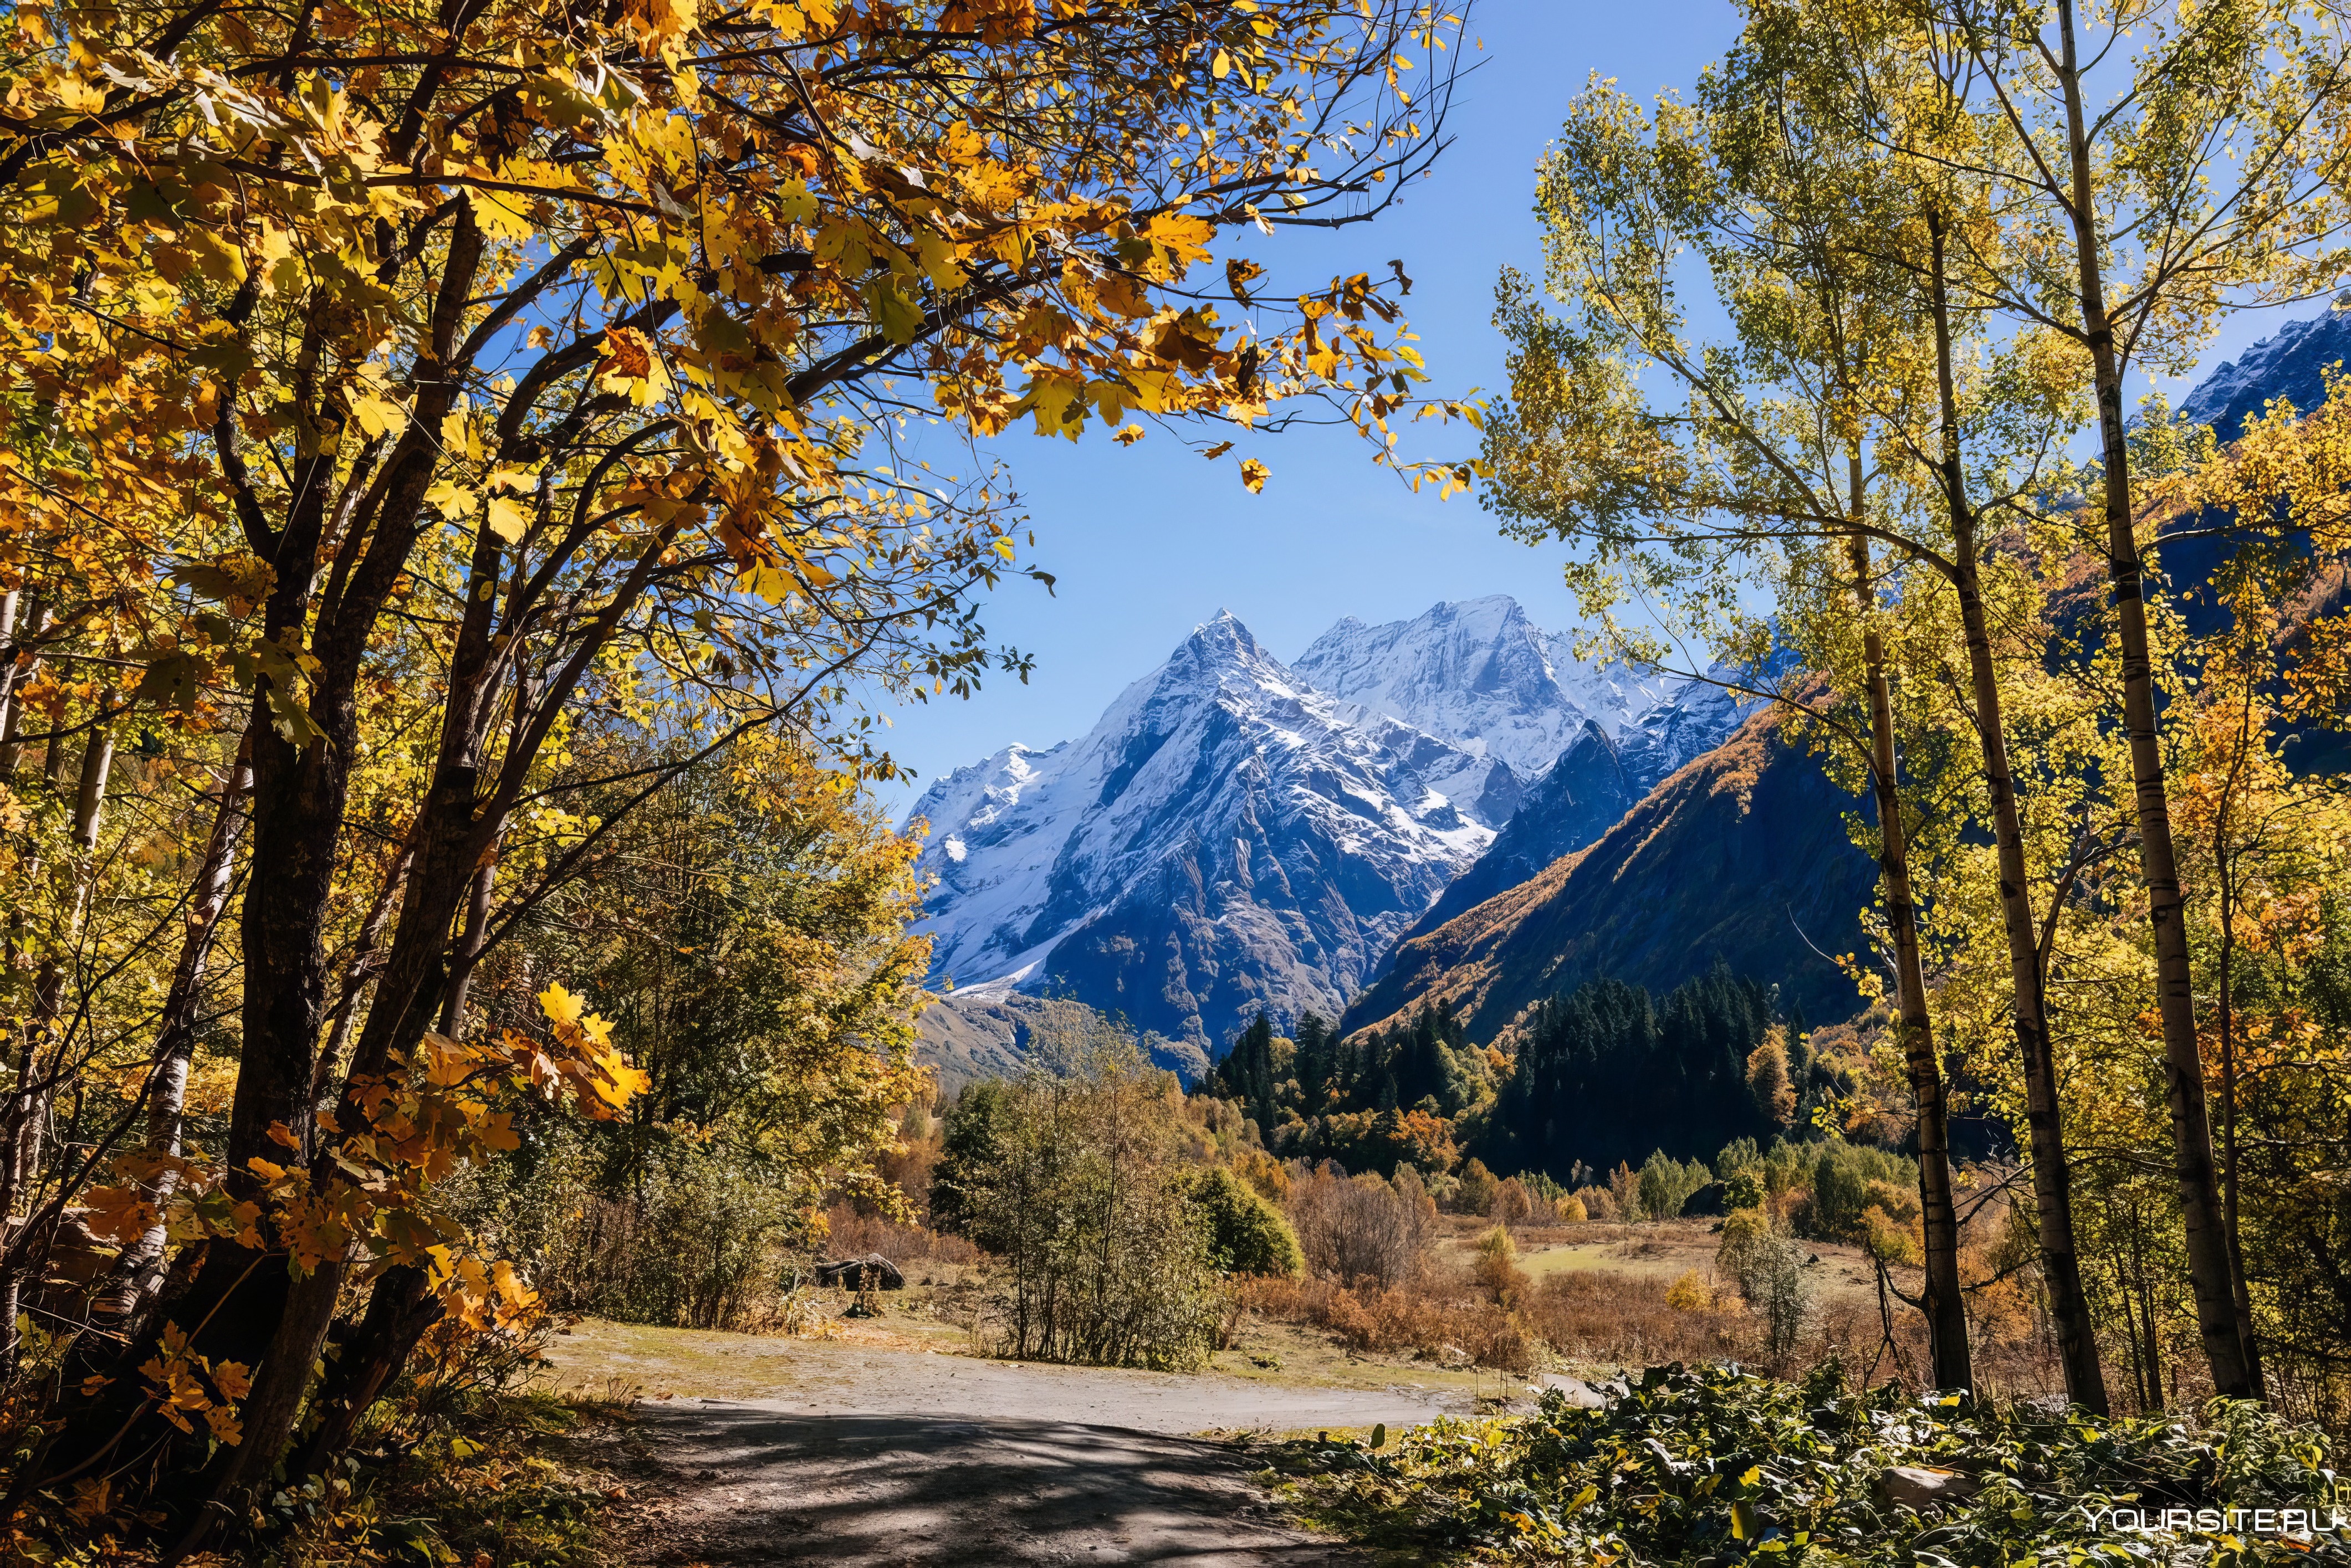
1617 1319
854 1234
1389 1321
1360 1229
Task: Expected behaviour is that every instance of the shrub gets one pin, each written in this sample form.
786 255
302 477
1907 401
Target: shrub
1496 1268
1070 1174
1512 1205
1374 1319
1360 1229
1474 1193
1571 1212
1770 1272
701 1238
1247 1235
1625 1192
1690 1293
1900 1204
1885 1238
1693 1466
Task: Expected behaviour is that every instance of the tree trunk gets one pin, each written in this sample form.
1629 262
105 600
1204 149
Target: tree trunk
1945 1304
2224 873
2053 1177
34 616
2192 1125
136 1277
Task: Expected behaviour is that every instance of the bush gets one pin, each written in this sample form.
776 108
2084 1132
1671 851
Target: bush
1360 1230
1692 1466
1690 1293
1377 1320
1496 1269
1768 1271
1071 1176
1512 1204
1885 1238
702 1237
1247 1235
1571 1212
1475 1188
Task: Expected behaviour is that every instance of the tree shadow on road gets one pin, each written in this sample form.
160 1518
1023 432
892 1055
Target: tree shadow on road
753 1486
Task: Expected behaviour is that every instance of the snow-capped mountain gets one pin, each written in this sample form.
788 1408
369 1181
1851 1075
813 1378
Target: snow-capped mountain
2290 363
1225 837
1482 675
1236 834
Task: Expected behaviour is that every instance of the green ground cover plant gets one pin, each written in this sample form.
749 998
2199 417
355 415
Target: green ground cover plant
1707 1466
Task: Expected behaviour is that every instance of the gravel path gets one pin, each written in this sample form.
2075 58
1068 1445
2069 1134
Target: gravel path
874 1458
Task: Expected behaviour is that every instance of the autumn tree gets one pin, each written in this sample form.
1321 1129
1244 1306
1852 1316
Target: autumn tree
483 416
2148 164
1766 467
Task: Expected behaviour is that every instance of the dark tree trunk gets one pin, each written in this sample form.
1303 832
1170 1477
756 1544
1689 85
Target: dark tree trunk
2199 1197
2052 1178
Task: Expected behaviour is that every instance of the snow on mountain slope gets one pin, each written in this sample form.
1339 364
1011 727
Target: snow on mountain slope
1482 675
1236 834
1225 837
2290 363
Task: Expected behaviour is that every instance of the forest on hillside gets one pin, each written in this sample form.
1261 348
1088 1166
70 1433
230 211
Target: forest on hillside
463 528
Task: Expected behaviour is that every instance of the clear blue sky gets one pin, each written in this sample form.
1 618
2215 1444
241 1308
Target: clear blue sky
1150 540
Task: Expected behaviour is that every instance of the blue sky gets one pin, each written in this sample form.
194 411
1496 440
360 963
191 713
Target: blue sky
1148 541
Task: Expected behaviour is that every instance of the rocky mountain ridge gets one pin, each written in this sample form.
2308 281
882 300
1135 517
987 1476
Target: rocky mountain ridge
1236 833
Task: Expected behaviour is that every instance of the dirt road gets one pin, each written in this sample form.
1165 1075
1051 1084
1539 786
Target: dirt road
877 1458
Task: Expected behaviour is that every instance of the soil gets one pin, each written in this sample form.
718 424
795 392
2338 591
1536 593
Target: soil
889 1449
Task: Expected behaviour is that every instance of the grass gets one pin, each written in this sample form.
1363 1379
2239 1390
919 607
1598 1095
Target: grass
1665 1251
604 1359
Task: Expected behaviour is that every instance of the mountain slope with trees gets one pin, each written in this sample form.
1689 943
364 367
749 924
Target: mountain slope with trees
1741 859
1234 835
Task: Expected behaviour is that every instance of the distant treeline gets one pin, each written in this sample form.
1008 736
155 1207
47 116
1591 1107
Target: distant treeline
1604 1073
1607 1073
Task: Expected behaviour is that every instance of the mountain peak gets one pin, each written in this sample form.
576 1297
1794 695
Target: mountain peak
2292 363
1476 671
1222 639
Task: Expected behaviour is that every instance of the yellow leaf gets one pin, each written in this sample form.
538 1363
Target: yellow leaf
506 520
504 216
379 416
940 262
452 500
1254 474
559 1005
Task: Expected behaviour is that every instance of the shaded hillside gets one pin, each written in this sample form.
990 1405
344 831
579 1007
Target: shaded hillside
965 1036
1742 857
1585 793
